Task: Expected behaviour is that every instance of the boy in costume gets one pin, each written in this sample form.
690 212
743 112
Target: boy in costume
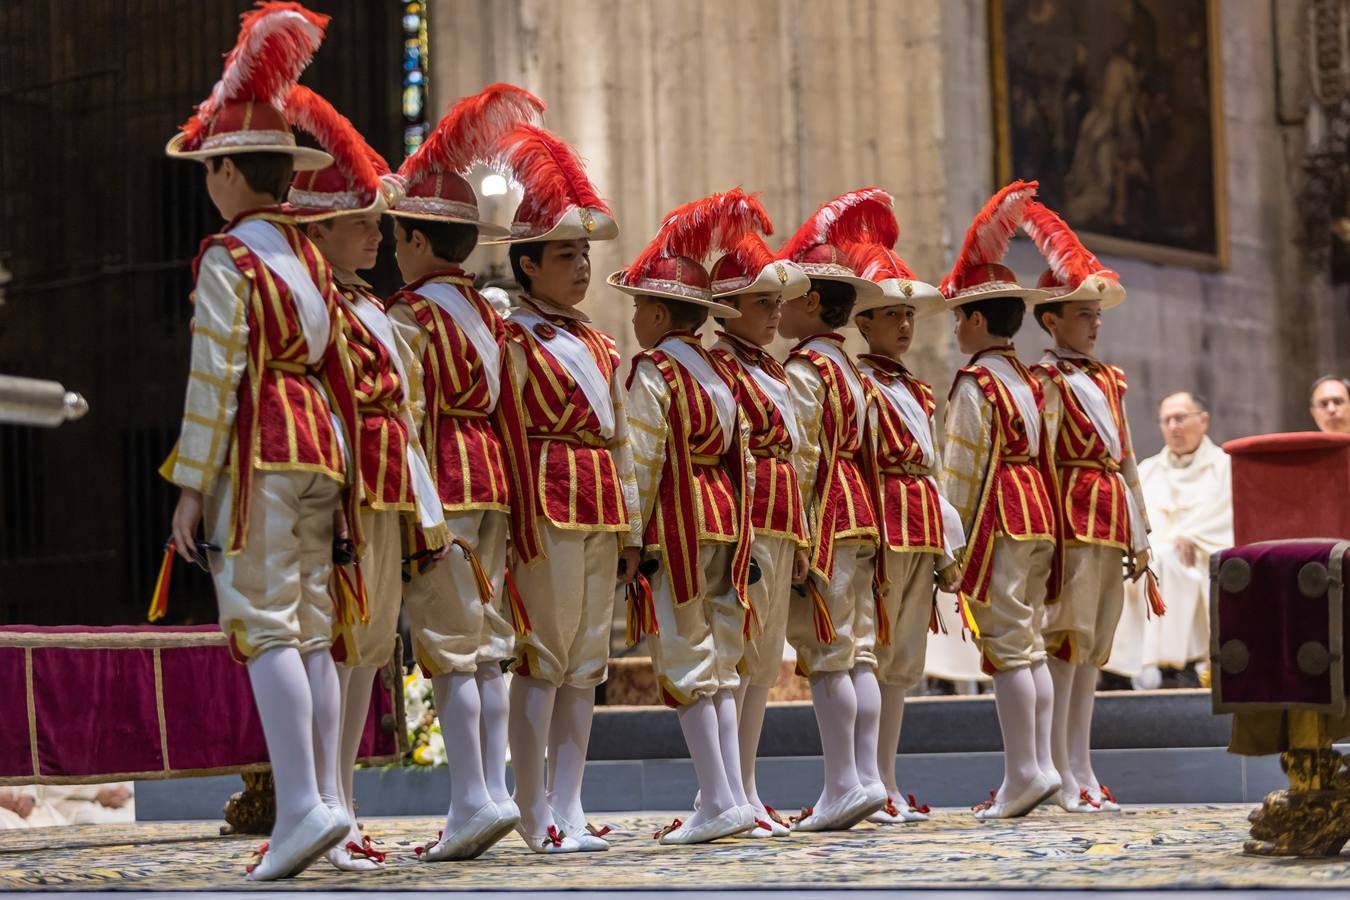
752 281
260 457
340 208
833 626
997 472
692 464
921 531
1101 503
574 515
473 432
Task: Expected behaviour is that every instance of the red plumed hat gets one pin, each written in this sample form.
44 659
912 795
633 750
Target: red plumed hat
883 266
865 216
671 265
560 203
358 180
243 114
1074 272
436 188
979 273
752 268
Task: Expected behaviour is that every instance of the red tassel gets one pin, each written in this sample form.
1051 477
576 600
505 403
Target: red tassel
1155 598
641 611
479 575
883 622
159 600
824 626
520 618
346 601
362 598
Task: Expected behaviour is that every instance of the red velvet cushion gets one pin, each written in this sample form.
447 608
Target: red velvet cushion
1290 486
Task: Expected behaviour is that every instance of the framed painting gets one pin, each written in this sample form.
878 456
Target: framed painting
1116 108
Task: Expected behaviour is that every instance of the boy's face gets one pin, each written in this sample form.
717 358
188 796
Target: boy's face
759 318
411 252
888 331
800 318
564 273
350 243
651 321
1076 327
972 331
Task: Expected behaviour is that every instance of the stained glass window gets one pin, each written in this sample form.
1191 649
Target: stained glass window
414 74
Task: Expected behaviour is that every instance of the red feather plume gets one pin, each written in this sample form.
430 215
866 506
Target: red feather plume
990 231
861 216
276 41
470 130
1064 253
551 172
352 156
696 228
877 262
752 253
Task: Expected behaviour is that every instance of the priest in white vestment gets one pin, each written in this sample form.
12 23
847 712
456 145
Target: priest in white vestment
1189 497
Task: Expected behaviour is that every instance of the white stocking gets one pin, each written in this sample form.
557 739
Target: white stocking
495 703
698 722
728 735
836 708
868 723
1045 716
754 700
530 716
356 687
1015 699
326 710
568 739
1080 725
458 709
281 692
888 736
1061 729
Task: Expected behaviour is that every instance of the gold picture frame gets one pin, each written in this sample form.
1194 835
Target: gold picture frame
1123 188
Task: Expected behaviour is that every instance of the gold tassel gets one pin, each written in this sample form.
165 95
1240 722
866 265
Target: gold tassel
479 575
824 625
883 623
641 618
520 618
159 600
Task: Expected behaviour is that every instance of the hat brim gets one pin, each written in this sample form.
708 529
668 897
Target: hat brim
721 310
304 214
1031 296
926 300
568 228
306 159
486 230
767 282
1112 296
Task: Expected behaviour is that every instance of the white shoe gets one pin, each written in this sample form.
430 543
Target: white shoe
354 857
320 829
1081 803
844 813
589 839
1041 788
1103 798
552 842
485 827
899 812
766 826
733 821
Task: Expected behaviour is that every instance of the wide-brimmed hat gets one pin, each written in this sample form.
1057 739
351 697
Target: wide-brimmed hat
243 112
899 286
1074 272
357 181
979 273
861 216
751 268
559 203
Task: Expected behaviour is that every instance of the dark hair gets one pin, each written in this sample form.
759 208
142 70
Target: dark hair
1201 404
1004 314
450 241
534 250
836 301
1042 308
1323 380
264 173
683 315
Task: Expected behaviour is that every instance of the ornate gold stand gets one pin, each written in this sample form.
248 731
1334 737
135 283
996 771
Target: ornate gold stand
1312 817
254 809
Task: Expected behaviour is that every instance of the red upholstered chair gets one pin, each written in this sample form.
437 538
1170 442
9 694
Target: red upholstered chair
1290 486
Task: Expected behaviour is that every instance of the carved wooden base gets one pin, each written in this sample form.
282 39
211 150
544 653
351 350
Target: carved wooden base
254 809
1312 818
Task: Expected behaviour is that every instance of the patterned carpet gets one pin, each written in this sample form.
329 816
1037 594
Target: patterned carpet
1143 847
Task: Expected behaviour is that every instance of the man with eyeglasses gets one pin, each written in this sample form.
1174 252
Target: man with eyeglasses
1330 404
1188 495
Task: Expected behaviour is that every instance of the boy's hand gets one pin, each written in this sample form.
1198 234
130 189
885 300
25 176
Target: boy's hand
801 567
187 515
629 560
949 579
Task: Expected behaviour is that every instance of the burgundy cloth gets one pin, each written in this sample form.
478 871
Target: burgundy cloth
96 715
1290 486
1273 619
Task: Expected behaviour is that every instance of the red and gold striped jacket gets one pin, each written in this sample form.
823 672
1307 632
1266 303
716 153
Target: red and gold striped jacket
467 441
837 494
251 393
910 512
989 473
573 477
1093 486
777 509
382 439
690 491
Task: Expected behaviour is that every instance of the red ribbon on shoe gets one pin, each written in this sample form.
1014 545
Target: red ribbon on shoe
257 858
554 837
985 804
925 808
668 829
365 849
420 850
